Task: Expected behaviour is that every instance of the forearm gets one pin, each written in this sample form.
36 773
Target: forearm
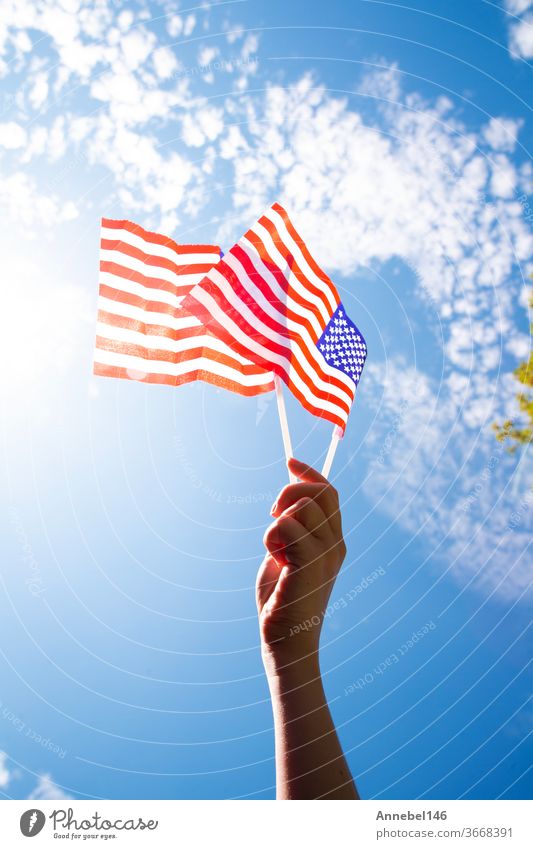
310 763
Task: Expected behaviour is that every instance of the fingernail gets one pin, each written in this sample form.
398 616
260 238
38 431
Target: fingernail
274 508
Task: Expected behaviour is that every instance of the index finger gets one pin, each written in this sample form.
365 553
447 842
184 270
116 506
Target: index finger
315 485
305 472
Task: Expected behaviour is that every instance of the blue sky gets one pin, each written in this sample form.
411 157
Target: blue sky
399 138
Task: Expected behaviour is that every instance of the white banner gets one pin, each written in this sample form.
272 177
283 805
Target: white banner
264 824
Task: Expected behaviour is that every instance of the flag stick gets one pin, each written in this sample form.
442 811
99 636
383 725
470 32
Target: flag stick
282 412
336 436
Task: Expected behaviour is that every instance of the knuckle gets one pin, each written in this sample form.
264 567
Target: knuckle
333 494
268 536
287 492
282 528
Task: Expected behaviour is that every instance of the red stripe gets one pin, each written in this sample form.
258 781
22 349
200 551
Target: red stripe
157 239
292 263
276 327
134 324
207 319
179 380
303 247
261 249
150 282
227 337
155 261
135 301
162 356
271 297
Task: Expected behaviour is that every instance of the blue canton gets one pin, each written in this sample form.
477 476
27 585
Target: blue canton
342 345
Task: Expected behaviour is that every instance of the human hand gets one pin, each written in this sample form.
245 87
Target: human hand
305 550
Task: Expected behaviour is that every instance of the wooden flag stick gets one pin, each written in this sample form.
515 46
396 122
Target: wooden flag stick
336 436
282 412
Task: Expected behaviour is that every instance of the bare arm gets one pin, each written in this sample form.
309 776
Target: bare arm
305 550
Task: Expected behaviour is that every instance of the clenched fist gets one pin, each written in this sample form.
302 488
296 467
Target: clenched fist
305 550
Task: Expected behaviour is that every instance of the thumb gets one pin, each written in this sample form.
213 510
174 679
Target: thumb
267 578
276 598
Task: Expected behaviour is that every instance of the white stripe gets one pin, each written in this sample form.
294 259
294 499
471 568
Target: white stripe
137 241
289 275
131 264
306 340
145 292
177 322
163 343
266 353
295 249
112 358
263 271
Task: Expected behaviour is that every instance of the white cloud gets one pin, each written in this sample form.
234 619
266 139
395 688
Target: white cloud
234 33
521 37
504 177
5 774
125 19
12 135
47 789
39 90
192 134
165 63
501 133
519 345
249 47
202 125
63 24
232 143
414 185
174 25
136 47
520 27
354 186
383 83
516 7
22 41
23 201
446 484
525 295
189 25
206 55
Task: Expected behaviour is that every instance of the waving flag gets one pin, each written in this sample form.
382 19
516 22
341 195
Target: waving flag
143 331
269 301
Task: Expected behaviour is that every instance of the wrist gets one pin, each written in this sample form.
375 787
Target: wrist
291 669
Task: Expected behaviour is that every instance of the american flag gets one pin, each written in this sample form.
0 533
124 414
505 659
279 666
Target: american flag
269 300
144 332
